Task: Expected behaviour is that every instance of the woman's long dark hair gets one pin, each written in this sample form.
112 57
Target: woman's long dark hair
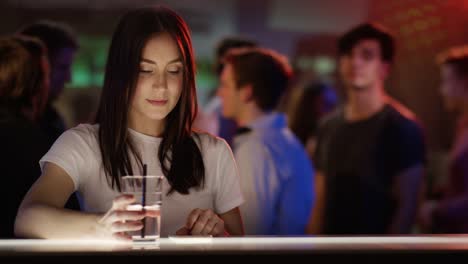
180 158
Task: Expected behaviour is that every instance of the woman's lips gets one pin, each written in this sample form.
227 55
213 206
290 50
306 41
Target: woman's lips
157 102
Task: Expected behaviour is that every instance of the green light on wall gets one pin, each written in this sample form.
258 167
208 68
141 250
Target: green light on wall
205 80
321 65
80 75
90 60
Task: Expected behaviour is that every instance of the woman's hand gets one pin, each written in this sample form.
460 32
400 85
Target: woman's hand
117 221
202 222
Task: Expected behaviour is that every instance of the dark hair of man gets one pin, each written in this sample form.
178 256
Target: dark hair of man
368 31
55 35
180 158
227 44
267 72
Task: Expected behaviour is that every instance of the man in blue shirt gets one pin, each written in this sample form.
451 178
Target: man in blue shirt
276 174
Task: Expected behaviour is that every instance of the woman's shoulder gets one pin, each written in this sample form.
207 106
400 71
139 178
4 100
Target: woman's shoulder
210 143
87 133
84 130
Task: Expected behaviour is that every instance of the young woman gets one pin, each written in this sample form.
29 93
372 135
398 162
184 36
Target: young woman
145 116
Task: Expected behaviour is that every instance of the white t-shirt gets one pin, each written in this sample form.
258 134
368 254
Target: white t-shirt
77 152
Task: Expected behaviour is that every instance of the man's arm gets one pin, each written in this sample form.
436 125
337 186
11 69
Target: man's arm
295 201
407 189
316 218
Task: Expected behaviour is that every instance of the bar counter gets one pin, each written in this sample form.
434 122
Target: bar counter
320 249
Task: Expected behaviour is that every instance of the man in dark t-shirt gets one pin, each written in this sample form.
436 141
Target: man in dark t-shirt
370 152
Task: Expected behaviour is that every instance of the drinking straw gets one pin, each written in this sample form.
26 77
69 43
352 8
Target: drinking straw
143 201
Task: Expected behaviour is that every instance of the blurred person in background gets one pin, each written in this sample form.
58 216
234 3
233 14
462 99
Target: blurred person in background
276 173
370 153
23 93
210 118
312 103
61 44
450 214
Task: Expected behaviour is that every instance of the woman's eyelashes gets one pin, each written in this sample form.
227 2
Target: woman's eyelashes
145 71
172 70
146 68
175 70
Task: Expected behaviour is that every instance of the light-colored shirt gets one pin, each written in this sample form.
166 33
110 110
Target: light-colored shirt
77 152
276 178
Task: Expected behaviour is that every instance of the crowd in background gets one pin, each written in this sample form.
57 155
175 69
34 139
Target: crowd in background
321 165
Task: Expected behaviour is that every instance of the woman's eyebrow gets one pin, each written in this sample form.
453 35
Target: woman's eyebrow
148 61
153 62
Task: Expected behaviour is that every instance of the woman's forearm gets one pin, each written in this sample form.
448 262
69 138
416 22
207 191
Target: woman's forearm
43 221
